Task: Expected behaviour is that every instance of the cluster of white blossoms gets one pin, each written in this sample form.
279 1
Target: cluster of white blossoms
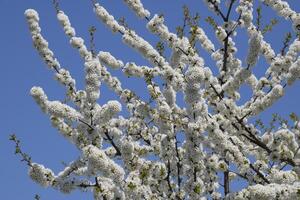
54 108
99 163
65 22
254 49
204 41
271 191
294 72
107 59
41 175
283 9
131 69
161 149
108 19
245 9
138 8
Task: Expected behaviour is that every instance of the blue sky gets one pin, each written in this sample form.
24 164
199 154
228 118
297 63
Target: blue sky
22 68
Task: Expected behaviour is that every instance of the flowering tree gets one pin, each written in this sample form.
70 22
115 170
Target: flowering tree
161 150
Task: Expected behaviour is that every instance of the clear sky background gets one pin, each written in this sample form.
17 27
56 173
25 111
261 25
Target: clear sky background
22 68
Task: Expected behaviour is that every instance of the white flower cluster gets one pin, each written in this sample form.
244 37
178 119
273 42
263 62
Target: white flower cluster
107 112
296 21
221 33
204 41
107 59
92 79
33 18
283 9
65 78
41 175
254 49
237 80
267 100
266 192
65 22
194 75
142 46
40 97
233 153
60 110
283 144
78 42
267 51
107 190
170 95
76 165
39 42
131 69
245 9
66 130
99 162
149 52
283 177
54 108
112 82
137 7
156 25
108 19
294 49
279 68
294 72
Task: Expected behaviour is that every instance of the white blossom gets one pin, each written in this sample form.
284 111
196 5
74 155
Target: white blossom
271 191
107 19
254 49
65 22
108 111
40 97
92 79
204 41
99 162
137 7
107 59
294 72
58 109
41 175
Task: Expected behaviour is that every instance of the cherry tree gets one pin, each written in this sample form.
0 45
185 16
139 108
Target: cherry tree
162 150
